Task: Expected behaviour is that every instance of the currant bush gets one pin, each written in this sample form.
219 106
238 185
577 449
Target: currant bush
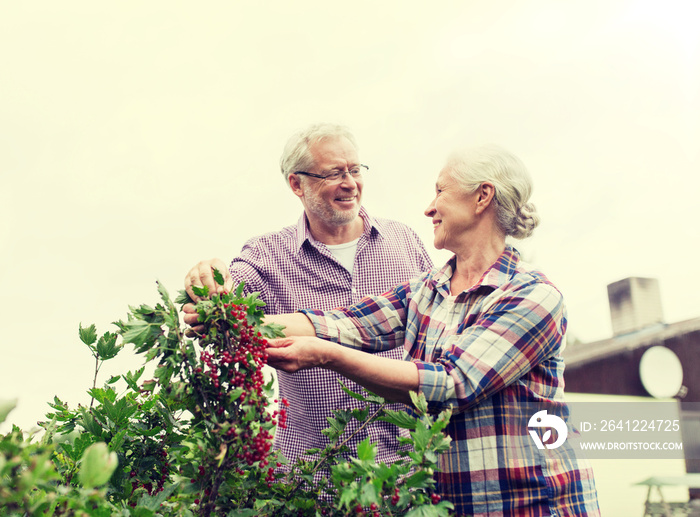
196 439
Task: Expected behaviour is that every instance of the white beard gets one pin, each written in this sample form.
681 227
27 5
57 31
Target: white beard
326 212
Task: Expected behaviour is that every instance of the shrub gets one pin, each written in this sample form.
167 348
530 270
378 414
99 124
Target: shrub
196 439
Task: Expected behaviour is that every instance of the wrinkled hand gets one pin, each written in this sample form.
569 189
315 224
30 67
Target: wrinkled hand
292 354
190 318
202 275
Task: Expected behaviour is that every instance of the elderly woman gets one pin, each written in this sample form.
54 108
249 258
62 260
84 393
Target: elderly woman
483 335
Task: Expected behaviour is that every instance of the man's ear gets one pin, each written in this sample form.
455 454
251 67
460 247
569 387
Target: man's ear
486 194
295 185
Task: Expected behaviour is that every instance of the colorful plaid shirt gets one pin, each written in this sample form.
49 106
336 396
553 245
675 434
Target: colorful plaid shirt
492 353
291 271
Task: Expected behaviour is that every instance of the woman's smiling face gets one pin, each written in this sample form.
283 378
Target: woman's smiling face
452 212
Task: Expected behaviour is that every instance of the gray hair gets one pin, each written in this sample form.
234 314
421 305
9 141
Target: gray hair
297 155
470 168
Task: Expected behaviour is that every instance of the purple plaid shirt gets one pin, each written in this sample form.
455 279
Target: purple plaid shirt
292 271
493 354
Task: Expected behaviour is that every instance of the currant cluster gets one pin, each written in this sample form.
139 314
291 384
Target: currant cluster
158 469
254 448
234 353
281 413
230 374
395 497
373 509
201 478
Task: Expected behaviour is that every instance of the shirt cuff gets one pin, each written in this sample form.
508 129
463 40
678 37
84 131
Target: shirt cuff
321 327
436 384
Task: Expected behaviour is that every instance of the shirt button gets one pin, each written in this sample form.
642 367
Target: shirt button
354 291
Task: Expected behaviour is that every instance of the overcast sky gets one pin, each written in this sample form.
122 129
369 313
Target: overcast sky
137 138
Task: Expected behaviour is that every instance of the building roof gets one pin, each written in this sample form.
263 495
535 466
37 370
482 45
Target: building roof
582 353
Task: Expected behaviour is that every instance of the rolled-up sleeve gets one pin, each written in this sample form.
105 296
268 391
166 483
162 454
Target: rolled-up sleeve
516 332
374 324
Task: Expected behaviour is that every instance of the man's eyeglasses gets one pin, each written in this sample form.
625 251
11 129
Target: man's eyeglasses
335 177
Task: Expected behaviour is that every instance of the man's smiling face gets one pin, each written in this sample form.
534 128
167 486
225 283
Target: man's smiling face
333 204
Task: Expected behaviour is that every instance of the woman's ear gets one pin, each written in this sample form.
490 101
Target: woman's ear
486 194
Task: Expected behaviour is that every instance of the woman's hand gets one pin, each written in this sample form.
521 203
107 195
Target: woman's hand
292 354
390 378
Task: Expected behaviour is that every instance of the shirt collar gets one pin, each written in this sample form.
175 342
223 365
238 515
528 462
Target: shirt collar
498 274
370 224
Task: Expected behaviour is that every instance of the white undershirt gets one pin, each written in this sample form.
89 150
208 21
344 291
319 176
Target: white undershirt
344 253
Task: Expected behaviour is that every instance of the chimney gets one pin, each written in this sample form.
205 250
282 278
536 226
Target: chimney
635 303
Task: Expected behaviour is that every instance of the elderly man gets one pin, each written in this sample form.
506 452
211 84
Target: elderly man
334 256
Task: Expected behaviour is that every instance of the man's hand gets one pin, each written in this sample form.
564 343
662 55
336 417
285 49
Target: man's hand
202 275
190 318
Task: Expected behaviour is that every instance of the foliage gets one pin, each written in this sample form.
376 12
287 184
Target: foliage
196 440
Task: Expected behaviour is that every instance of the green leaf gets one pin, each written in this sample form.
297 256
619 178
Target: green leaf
272 330
148 432
101 395
242 512
441 421
97 465
89 423
239 289
88 335
153 502
335 425
68 449
164 295
272 503
343 473
233 396
5 407
417 479
139 332
143 310
348 495
442 509
441 444
119 411
132 378
351 393
218 277
140 511
164 372
368 494
116 443
419 402
360 414
386 472
366 450
82 442
107 346
183 297
431 457
421 436
398 418
423 511
202 292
